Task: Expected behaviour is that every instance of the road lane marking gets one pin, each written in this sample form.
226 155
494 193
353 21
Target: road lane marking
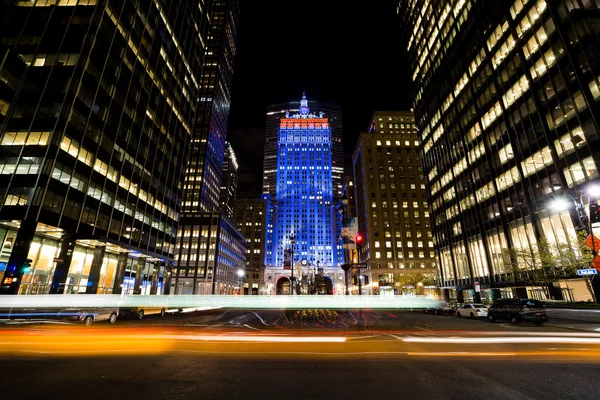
418 327
261 320
459 354
251 327
475 340
394 336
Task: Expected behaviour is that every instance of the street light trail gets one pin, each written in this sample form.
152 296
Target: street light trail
503 340
115 343
200 302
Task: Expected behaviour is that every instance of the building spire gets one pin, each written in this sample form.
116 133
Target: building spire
304 110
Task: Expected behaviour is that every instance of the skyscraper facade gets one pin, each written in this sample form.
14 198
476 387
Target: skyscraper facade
275 112
197 272
391 201
97 104
229 182
211 254
507 109
304 221
204 170
250 216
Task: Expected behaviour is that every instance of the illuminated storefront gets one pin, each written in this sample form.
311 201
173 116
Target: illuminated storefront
134 274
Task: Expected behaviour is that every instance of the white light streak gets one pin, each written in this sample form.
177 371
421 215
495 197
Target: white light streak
505 340
204 302
270 339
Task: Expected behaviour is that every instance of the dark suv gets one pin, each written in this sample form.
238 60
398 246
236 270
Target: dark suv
518 310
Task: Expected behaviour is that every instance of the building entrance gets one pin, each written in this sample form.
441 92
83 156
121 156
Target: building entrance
283 285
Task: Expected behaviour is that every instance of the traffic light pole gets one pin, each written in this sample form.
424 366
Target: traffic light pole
594 216
346 252
359 283
586 222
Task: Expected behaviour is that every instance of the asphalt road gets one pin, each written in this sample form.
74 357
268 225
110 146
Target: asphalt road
352 321
192 377
384 354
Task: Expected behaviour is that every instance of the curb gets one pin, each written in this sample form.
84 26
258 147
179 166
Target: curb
571 328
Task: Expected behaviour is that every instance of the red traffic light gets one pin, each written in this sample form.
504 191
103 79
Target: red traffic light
358 239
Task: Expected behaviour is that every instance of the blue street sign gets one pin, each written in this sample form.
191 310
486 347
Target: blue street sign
586 272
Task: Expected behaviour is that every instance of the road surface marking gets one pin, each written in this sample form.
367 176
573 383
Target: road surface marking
418 327
459 354
474 340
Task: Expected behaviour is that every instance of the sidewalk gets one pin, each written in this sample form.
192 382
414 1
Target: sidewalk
589 315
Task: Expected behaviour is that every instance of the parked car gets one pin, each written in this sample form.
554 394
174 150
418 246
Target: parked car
443 308
472 310
140 312
89 315
518 310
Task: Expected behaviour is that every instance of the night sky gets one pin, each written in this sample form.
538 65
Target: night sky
335 50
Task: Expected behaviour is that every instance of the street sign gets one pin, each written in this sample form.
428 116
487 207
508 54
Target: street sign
593 243
586 272
596 262
477 287
58 260
349 246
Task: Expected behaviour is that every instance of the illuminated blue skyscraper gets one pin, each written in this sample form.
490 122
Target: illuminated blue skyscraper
304 191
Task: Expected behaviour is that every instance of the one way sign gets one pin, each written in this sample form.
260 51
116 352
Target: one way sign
586 272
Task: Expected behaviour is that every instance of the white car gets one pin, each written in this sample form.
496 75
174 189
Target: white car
89 315
472 310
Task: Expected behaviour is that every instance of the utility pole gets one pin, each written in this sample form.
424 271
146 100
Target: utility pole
292 241
346 265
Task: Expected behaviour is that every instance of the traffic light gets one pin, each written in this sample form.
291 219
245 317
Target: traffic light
358 239
594 213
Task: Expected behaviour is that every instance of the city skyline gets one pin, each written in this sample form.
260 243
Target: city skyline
268 70
225 199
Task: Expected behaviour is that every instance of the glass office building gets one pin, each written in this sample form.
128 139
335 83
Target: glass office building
229 182
507 107
97 105
206 155
211 252
204 173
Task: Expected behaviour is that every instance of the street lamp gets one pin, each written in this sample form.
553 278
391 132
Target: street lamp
292 241
560 204
344 211
241 275
585 222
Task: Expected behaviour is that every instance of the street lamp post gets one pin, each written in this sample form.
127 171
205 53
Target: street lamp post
585 222
241 274
292 241
344 211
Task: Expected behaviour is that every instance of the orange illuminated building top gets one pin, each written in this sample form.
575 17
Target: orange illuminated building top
304 123
304 119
